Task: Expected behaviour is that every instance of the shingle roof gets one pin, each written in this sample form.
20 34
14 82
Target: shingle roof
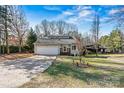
60 37
47 41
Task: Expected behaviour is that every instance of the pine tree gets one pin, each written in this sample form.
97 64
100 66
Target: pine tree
31 38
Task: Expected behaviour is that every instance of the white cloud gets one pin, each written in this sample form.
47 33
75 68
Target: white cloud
104 19
113 11
84 13
76 15
52 8
81 15
73 20
83 7
67 13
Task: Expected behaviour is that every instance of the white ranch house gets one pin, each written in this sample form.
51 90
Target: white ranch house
56 45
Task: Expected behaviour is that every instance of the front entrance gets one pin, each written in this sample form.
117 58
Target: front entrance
64 50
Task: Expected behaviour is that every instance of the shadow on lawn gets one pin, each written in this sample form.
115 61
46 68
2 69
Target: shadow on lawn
75 72
121 82
98 75
96 56
77 57
108 68
106 62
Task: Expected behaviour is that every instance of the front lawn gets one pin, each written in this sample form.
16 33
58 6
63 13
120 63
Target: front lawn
101 73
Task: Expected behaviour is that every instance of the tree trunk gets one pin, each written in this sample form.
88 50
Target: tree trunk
80 59
3 48
0 43
96 48
7 45
20 50
20 47
96 52
0 47
0 32
6 32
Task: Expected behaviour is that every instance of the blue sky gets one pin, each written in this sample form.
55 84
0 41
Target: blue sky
82 16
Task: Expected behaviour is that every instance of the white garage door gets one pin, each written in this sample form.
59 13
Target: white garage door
47 50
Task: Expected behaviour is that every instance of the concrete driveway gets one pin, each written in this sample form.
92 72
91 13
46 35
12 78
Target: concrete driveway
14 73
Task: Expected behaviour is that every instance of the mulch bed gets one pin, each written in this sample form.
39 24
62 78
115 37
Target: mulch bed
14 56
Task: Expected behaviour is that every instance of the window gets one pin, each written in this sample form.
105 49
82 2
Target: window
73 47
64 48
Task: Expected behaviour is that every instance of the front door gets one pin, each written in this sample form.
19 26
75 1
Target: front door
65 50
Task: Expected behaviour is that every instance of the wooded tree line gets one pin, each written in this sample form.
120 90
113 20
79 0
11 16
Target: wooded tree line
114 41
60 27
12 22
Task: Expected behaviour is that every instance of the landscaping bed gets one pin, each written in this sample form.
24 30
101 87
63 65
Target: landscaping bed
14 56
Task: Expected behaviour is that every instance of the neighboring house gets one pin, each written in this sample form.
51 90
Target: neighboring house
101 49
13 40
56 45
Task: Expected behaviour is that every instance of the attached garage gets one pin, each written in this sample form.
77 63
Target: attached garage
55 45
47 50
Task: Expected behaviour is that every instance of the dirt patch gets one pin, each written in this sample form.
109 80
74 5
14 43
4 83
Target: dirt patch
14 56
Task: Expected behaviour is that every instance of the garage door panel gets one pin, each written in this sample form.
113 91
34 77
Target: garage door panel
47 50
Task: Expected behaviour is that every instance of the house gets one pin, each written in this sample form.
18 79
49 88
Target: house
13 40
91 48
56 45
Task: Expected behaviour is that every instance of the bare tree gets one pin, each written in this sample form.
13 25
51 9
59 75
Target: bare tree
0 27
53 28
56 28
45 27
5 19
38 30
82 51
117 17
87 39
13 22
0 42
61 27
20 25
95 31
5 16
2 36
72 30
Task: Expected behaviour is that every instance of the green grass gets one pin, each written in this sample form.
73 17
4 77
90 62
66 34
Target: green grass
63 73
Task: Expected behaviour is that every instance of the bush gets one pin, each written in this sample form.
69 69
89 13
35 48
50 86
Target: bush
25 49
15 49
